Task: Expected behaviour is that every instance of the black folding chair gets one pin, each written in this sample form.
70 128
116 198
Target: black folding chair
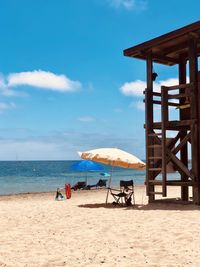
124 195
79 185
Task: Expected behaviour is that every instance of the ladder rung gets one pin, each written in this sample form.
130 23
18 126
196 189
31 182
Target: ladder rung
155 182
154 146
154 134
155 169
177 96
155 193
155 157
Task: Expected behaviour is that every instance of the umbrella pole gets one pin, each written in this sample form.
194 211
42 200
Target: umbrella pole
86 179
109 185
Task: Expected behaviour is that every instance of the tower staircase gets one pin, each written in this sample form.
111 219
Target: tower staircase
162 150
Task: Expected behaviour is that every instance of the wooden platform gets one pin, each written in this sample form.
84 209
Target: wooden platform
182 48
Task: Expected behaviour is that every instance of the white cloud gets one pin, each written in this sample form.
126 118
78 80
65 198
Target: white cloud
30 150
44 80
2 82
5 91
5 106
129 4
137 87
86 119
63 145
139 105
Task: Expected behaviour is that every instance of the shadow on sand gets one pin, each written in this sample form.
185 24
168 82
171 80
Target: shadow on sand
169 204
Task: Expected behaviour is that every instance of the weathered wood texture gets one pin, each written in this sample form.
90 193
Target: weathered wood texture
167 49
176 47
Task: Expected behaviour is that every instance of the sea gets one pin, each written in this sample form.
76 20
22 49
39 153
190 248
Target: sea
46 176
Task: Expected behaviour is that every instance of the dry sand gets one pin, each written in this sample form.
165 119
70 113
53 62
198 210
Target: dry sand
36 230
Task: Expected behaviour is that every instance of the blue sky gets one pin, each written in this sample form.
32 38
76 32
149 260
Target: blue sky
65 85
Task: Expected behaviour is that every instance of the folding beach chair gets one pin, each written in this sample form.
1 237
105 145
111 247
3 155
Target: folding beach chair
79 185
101 183
124 195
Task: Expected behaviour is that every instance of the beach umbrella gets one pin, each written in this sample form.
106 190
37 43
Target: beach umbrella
86 166
105 174
114 157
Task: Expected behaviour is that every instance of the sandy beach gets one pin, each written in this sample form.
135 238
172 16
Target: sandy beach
38 231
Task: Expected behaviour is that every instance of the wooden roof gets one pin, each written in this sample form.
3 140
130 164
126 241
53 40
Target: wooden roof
167 49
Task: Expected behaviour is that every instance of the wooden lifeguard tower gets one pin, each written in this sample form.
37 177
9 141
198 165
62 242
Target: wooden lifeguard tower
182 48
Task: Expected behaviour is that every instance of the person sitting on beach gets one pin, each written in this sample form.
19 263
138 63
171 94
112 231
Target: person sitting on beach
59 195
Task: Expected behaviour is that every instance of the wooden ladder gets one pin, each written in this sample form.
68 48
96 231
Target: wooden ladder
154 161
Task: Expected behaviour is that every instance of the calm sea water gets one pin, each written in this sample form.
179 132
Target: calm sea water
45 176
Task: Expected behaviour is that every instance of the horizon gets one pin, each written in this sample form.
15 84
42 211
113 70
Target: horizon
65 85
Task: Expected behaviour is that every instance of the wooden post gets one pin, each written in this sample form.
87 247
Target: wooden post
193 67
149 125
183 116
164 109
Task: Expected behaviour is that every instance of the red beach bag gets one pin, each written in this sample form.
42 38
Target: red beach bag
68 191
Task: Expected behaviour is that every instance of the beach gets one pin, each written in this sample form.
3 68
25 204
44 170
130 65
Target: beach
37 231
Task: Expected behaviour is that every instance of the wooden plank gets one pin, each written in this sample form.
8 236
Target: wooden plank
156 94
167 59
178 86
156 193
155 134
154 146
182 143
172 142
179 164
173 183
172 104
149 123
193 72
177 96
155 169
184 115
153 93
175 125
178 47
164 115
155 157
181 123
132 51
170 145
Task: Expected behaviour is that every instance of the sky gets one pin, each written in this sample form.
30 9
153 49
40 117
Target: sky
65 85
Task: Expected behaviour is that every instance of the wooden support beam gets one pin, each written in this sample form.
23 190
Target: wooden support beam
179 86
153 93
176 125
157 102
173 183
183 141
177 48
149 123
177 96
193 69
194 35
164 115
170 145
160 57
180 165
184 115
